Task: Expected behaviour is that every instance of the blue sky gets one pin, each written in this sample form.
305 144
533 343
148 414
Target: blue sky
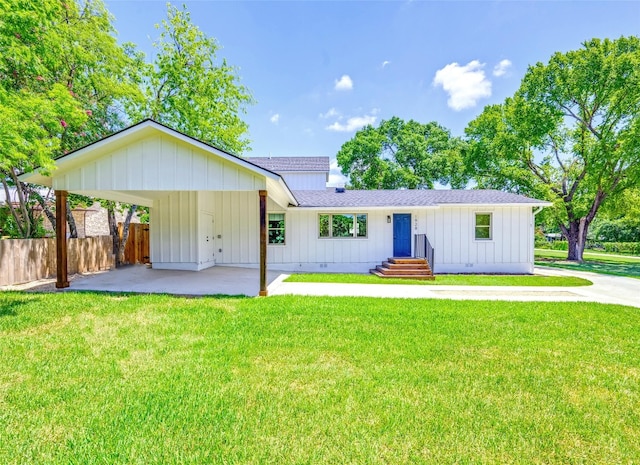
321 70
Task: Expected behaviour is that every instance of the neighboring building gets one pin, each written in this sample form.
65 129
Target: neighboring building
205 210
300 173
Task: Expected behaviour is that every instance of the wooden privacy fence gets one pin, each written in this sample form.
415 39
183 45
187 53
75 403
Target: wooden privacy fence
24 260
136 250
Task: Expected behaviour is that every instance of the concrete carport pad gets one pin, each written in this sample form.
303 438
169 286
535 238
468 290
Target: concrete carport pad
217 280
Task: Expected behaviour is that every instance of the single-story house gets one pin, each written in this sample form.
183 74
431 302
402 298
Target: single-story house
209 207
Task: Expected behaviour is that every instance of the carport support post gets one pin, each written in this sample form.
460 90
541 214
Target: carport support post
263 243
61 240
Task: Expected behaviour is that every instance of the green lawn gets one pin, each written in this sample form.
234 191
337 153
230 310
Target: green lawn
596 262
443 280
111 379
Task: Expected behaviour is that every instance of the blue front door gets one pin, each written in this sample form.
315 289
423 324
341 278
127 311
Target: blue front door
401 234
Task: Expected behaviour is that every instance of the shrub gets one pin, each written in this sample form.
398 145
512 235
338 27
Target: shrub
621 230
559 245
622 247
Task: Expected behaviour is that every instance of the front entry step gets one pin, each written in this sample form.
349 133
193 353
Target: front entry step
404 268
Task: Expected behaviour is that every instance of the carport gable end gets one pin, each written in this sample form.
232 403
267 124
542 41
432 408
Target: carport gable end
183 181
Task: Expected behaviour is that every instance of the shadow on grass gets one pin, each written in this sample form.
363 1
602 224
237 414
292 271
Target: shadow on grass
159 294
631 270
9 307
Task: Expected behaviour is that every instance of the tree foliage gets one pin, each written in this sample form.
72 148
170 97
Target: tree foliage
570 134
188 89
63 82
399 154
66 82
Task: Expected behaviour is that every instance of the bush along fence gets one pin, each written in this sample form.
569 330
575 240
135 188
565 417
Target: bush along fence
632 248
24 260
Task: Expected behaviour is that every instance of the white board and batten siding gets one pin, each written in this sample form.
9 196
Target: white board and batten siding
157 163
173 228
236 226
451 231
182 237
305 181
304 250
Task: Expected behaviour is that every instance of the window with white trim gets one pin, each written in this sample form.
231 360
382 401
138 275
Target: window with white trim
483 227
342 225
276 228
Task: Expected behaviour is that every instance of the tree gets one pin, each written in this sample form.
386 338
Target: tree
570 134
625 206
63 82
399 154
187 89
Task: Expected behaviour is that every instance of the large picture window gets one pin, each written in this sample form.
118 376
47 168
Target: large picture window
275 228
342 225
483 226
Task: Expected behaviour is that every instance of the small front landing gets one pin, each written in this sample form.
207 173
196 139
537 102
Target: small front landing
404 268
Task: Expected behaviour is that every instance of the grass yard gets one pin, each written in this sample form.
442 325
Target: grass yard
618 265
116 379
443 280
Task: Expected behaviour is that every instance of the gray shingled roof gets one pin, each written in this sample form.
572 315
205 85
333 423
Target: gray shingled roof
407 198
288 164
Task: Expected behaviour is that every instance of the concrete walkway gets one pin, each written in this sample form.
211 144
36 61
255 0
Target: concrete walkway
245 281
605 289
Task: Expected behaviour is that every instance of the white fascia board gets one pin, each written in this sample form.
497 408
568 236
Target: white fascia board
119 196
34 177
489 205
361 208
283 185
427 207
280 193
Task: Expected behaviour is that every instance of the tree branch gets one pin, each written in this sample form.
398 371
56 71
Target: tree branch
11 207
23 204
582 121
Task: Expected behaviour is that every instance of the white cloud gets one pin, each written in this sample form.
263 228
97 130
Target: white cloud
275 118
385 63
331 112
344 83
336 178
352 124
501 68
464 84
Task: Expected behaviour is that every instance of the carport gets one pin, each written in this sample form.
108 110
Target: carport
207 207
216 280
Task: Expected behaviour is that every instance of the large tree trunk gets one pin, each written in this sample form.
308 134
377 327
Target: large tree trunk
577 237
73 229
43 204
113 230
125 232
576 232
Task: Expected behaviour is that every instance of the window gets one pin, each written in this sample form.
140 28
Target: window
342 225
275 228
483 226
